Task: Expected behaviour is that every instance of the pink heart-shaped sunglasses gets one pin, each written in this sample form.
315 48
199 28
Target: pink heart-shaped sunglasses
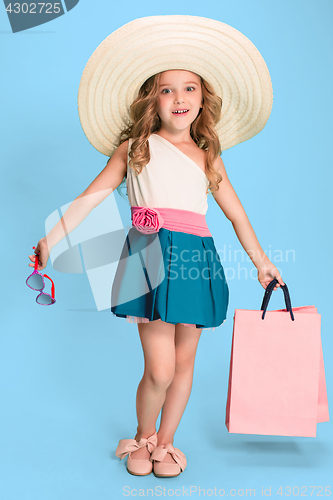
36 282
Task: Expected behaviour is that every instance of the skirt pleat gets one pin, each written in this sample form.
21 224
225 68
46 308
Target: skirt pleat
172 276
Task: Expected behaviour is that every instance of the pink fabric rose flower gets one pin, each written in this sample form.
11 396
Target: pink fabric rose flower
147 220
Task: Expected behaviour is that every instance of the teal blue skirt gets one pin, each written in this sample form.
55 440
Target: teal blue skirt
170 275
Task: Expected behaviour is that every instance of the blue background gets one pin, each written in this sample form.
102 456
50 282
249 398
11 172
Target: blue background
69 373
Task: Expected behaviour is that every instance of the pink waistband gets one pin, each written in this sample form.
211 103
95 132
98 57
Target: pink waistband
149 220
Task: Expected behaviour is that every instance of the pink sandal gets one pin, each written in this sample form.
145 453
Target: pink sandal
163 469
137 466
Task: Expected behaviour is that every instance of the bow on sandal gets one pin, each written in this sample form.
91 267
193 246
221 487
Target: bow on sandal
137 466
164 469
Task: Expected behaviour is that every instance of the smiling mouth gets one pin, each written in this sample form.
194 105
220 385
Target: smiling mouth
180 112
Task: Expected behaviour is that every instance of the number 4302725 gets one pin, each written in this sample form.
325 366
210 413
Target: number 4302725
34 8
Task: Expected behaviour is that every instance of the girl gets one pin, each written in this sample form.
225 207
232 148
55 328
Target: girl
169 279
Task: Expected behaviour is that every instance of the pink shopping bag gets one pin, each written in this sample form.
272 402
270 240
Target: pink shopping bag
277 380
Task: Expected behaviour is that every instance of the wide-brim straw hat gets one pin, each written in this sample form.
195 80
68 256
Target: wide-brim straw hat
222 55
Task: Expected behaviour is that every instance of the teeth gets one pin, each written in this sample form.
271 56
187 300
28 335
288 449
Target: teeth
185 111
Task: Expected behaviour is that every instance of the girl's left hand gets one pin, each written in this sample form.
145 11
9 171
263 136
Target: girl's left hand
267 273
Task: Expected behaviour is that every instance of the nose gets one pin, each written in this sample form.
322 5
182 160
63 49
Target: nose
178 98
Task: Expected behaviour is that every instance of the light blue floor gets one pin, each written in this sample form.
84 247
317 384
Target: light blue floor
68 395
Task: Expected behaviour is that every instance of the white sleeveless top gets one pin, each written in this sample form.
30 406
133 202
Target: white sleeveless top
169 180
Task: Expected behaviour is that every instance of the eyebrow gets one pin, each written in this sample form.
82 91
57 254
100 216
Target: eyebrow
169 84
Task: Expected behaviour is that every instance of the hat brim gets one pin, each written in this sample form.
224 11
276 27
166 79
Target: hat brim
223 56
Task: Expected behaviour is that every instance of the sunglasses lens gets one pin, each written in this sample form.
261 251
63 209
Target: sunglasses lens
35 281
44 299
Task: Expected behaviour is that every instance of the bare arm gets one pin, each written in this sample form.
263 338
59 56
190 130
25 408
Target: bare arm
101 187
231 206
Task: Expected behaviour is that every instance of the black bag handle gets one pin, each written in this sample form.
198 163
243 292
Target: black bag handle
267 296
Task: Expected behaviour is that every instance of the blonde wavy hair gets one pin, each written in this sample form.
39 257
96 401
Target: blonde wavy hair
145 121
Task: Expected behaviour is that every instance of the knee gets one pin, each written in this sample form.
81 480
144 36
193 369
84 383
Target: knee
161 376
184 362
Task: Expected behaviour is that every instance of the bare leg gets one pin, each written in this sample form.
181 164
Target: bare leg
158 343
178 393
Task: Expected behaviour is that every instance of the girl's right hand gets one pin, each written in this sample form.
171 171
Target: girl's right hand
43 253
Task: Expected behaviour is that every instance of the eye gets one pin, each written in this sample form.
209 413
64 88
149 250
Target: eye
190 88
164 90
